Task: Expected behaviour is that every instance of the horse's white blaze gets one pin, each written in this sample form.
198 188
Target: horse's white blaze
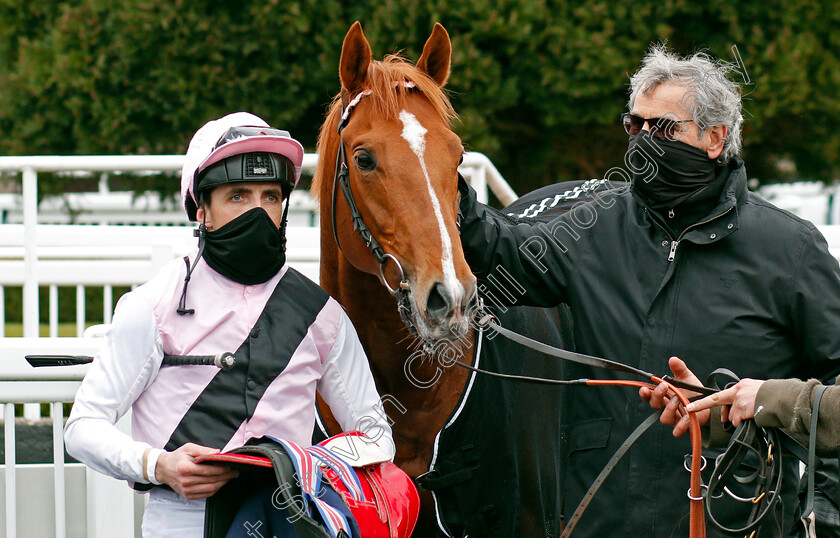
415 134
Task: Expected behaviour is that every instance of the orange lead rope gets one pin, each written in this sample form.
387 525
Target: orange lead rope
697 514
697 517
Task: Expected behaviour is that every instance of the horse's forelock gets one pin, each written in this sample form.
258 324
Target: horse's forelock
390 74
386 81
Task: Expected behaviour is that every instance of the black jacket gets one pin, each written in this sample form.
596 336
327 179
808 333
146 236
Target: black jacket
749 287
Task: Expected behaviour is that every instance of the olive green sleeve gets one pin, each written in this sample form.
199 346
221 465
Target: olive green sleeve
787 404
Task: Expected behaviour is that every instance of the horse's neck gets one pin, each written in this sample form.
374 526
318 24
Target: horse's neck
419 411
368 304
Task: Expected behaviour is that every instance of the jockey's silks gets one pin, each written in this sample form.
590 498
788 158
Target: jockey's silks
275 330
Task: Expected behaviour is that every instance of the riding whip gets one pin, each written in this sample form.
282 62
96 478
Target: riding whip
223 361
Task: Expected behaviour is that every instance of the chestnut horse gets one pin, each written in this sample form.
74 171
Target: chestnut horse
388 131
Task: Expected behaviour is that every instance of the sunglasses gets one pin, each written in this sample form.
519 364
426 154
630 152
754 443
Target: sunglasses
659 127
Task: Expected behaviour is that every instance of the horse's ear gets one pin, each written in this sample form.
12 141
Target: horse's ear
355 59
436 56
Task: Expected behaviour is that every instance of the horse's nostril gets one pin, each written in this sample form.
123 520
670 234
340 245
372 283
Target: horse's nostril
472 298
439 303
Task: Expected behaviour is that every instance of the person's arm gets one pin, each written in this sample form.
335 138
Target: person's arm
815 310
788 404
738 401
775 403
499 250
125 366
347 386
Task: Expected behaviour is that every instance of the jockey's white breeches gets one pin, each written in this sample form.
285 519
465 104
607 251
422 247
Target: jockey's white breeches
168 515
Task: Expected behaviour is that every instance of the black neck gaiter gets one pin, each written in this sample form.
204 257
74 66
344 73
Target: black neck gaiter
667 172
249 249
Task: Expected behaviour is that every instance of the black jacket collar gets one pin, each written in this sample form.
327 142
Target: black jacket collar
724 195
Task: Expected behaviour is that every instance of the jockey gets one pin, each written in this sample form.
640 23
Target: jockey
234 293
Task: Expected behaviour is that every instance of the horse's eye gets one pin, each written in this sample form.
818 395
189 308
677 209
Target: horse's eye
461 160
364 161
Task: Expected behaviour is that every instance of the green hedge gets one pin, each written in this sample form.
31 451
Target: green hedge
13 296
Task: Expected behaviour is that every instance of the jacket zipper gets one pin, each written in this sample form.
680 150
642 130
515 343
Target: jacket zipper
675 242
673 251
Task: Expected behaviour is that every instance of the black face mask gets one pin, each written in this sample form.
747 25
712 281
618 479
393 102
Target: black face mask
249 249
667 172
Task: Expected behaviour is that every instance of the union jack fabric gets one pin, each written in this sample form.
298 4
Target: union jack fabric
309 464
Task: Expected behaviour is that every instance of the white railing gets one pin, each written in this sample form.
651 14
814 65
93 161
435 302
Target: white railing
107 257
36 500
118 207
127 208
105 206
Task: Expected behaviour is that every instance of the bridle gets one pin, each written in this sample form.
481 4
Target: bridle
341 178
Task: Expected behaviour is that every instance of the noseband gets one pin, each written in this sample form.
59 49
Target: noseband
342 178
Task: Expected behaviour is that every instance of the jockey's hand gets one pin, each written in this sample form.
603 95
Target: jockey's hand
659 398
188 479
738 401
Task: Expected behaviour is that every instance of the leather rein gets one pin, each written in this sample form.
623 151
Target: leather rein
695 492
748 439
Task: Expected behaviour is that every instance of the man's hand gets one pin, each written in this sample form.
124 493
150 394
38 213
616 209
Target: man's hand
188 479
738 401
658 398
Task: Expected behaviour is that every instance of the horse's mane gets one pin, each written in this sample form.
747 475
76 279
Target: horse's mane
386 81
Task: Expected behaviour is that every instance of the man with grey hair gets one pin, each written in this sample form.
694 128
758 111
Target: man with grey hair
686 262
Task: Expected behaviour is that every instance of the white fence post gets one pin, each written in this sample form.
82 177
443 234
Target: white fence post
9 464
30 253
57 414
107 303
483 175
479 182
80 310
30 267
53 311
